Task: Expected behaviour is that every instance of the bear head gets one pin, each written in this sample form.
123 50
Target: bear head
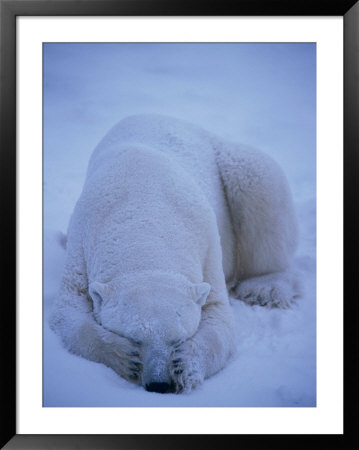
158 311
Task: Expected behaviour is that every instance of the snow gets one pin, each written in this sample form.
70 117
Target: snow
259 94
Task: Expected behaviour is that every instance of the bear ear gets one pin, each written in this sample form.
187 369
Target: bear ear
200 293
98 292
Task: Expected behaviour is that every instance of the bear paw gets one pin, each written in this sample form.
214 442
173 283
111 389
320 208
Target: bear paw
123 356
185 368
279 290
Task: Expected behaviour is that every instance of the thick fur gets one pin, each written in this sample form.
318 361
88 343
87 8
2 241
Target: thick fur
169 218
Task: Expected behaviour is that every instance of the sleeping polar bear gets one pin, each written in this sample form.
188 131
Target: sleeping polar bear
169 220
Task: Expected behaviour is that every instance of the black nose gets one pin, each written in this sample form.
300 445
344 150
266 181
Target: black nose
162 388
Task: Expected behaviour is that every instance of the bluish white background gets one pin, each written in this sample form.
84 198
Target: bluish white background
302 182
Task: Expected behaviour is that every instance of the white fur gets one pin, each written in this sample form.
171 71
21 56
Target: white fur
169 215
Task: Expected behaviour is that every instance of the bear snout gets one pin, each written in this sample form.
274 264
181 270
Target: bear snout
155 375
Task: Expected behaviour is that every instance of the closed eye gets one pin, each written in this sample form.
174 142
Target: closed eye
176 342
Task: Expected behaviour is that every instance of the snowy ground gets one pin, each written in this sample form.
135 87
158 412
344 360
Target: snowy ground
259 94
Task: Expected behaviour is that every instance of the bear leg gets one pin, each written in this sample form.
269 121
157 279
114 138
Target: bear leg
264 224
207 351
83 336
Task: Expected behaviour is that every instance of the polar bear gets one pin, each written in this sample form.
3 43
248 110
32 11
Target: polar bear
169 220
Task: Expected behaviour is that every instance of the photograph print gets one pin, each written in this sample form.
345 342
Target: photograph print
179 224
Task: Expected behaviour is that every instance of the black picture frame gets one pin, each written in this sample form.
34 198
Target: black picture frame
9 10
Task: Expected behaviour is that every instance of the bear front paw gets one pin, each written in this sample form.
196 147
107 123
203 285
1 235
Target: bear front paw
185 368
124 357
